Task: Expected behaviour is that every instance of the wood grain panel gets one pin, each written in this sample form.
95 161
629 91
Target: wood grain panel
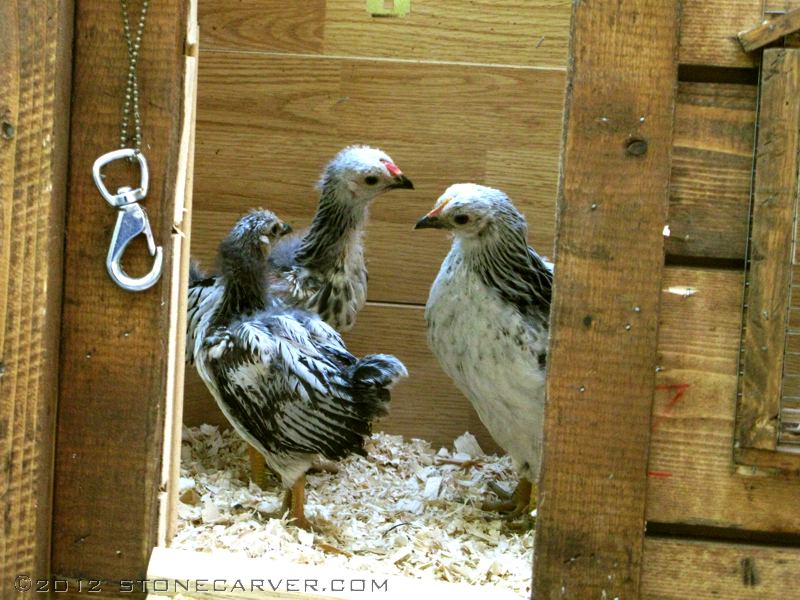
513 32
612 208
114 357
267 126
266 25
35 53
692 478
426 405
712 165
676 569
709 29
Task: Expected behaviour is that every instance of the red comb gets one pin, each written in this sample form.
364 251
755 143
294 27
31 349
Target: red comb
393 169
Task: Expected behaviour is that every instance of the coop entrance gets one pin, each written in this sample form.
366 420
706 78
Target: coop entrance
414 501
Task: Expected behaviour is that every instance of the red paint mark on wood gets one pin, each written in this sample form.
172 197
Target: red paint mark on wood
680 390
659 474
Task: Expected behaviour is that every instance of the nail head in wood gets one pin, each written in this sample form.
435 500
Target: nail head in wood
7 129
636 147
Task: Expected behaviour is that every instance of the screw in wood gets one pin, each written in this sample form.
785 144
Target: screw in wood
636 147
7 129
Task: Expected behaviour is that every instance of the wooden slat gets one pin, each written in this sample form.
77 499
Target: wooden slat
770 31
268 124
692 480
709 28
604 319
508 32
426 405
112 406
676 569
35 49
774 204
712 165
181 241
514 32
789 432
222 575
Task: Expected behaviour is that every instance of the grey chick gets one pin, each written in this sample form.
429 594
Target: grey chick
321 269
487 318
282 376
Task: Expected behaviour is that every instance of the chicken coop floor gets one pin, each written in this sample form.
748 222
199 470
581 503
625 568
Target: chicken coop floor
405 509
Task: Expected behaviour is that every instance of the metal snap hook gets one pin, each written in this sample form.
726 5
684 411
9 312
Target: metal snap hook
132 221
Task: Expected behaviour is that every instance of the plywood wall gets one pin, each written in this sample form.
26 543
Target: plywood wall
454 91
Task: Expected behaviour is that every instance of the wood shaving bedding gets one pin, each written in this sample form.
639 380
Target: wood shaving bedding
405 509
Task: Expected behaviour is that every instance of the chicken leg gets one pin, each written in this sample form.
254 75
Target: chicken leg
520 502
258 468
260 472
297 500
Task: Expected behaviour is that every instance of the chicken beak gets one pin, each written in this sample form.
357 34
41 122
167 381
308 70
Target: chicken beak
286 229
402 182
429 222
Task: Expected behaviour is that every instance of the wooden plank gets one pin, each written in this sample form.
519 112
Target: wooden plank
181 241
111 411
770 31
609 258
676 569
767 296
398 330
692 480
709 28
512 32
712 162
215 575
35 52
268 124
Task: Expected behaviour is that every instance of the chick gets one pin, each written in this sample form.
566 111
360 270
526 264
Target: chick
282 376
487 320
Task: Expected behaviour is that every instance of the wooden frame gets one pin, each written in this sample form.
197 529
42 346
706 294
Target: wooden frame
35 45
767 368
601 366
115 385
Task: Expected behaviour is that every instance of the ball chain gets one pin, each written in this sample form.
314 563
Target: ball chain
132 86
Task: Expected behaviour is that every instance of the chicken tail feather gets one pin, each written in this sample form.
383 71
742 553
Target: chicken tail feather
377 370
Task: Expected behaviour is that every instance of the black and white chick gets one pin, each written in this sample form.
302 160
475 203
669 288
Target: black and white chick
487 318
282 376
321 269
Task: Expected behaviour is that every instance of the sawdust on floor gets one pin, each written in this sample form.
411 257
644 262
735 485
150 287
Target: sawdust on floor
405 509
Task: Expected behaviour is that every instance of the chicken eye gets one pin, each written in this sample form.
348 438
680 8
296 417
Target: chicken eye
274 229
461 219
371 180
